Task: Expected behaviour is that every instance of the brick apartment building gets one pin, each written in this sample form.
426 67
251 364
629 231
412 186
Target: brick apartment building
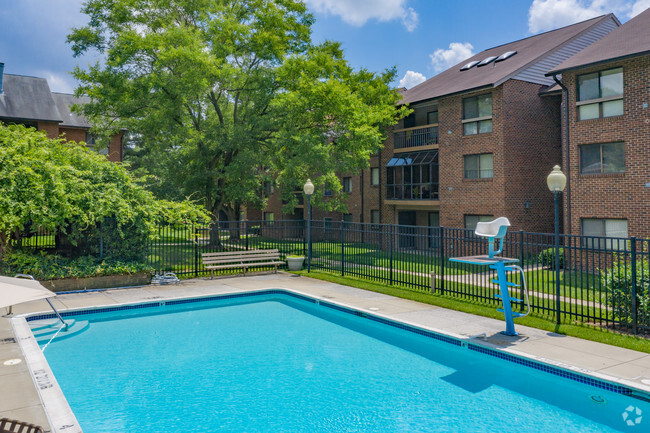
607 156
28 101
483 136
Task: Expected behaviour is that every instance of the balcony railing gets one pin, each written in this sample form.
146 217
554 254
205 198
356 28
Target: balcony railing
415 137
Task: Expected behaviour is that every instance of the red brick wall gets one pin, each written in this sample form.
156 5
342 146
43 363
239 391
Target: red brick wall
51 129
459 196
115 148
73 134
532 134
621 195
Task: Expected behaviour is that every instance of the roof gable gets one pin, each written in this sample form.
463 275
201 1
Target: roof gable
631 39
27 98
64 103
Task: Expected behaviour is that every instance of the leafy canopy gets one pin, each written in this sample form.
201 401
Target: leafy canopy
65 188
223 96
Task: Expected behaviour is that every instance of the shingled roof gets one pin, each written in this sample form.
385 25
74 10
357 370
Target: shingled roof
629 40
529 51
64 103
30 98
27 98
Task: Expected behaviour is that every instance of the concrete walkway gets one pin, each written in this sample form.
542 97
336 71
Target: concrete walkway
20 399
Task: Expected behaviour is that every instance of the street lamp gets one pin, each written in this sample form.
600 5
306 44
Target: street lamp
309 190
556 182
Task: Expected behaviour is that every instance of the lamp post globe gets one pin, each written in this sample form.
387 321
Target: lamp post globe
308 188
556 180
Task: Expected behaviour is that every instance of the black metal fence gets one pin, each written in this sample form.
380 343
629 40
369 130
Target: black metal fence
601 281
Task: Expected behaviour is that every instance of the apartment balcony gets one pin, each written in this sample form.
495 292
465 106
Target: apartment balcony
415 137
413 177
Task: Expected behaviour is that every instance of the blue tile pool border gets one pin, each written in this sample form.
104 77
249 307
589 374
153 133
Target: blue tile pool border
557 371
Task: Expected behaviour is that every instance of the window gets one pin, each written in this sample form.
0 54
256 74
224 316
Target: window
269 216
605 228
327 193
409 121
347 217
472 220
374 176
477 115
600 94
478 166
347 184
374 216
432 117
602 158
268 188
412 176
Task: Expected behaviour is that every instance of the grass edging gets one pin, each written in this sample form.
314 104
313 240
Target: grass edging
534 320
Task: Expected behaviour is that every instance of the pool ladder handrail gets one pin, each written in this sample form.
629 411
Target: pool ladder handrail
30 277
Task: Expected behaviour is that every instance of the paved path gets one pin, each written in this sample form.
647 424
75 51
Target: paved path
19 398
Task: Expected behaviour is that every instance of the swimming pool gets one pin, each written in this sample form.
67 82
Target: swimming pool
276 361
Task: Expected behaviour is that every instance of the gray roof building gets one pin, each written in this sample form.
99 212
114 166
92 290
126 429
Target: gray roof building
24 98
534 56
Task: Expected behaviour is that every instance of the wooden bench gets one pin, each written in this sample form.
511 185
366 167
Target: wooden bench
241 259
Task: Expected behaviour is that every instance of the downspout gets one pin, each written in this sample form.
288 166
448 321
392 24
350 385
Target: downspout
565 102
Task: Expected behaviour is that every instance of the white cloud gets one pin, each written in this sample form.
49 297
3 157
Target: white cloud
638 7
457 52
546 15
411 78
358 12
58 82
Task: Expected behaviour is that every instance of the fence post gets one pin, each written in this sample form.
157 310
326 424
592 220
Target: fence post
390 249
246 232
342 250
441 243
634 301
196 251
521 262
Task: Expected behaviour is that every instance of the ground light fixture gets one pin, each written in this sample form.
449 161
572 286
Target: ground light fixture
556 182
308 189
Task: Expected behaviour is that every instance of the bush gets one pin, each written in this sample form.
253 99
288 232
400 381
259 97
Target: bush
618 282
547 258
51 266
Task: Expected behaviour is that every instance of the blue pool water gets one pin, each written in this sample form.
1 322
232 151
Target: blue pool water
277 364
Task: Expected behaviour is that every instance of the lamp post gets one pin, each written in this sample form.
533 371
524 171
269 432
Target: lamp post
556 182
308 190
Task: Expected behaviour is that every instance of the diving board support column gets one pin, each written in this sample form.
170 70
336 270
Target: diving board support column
505 297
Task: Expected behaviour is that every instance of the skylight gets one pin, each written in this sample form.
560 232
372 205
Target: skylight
470 65
486 61
505 56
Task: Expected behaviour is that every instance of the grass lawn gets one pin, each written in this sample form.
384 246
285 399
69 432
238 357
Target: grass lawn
535 320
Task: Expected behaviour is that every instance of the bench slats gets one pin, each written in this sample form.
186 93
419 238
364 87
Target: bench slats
241 259
239 265
241 253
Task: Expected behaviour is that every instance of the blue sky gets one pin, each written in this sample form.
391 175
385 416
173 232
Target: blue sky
419 37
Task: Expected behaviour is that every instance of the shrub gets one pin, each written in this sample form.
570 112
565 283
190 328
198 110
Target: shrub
547 258
51 266
618 282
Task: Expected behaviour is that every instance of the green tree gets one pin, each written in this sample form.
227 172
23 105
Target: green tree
226 95
65 188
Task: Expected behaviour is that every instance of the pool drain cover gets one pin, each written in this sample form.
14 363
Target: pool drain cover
598 399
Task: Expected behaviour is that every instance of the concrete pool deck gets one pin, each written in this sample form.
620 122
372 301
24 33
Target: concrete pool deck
20 399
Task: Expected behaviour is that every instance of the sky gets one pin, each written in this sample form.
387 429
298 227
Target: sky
420 38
